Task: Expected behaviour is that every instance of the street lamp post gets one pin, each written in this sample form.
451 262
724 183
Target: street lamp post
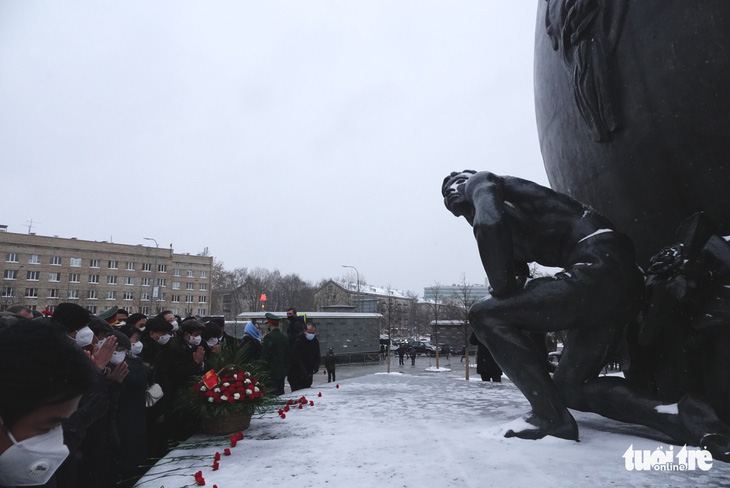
155 290
357 274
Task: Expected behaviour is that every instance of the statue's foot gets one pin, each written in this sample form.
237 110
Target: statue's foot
538 428
718 445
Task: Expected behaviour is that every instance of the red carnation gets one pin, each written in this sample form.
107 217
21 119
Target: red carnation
311 403
215 465
227 451
234 441
337 386
286 408
319 394
239 436
217 456
300 405
283 415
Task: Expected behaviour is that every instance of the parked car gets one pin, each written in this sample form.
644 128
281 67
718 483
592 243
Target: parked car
422 347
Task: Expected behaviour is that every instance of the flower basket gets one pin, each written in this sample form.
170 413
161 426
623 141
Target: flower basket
226 424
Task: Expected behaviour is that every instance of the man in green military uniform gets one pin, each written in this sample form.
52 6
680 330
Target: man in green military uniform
275 353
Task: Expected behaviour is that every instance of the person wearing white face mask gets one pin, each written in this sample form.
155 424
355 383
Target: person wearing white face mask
42 377
186 360
305 358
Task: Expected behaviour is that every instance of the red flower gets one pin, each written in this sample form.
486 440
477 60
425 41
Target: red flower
239 436
324 371
199 480
227 451
300 405
311 403
283 415
234 440
215 466
280 411
319 394
337 386
286 408
217 456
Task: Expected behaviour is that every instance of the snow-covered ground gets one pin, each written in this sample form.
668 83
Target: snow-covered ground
416 430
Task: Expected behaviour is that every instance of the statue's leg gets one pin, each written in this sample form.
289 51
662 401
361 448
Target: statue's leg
504 325
690 421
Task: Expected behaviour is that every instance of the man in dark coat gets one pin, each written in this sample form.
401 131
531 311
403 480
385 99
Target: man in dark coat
305 358
275 352
296 324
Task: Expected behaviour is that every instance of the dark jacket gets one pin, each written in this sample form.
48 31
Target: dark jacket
296 328
275 351
304 363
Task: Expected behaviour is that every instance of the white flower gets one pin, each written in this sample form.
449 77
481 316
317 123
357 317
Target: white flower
210 399
256 388
246 374
235 376
217 390
247 381
203 388
236 396
224 398
226 384
248 392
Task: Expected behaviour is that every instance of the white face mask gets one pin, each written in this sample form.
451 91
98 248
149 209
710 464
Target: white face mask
163 339
84 336
32 461
118 357
136 348
174 325
310 336
195 340
141 329
212 342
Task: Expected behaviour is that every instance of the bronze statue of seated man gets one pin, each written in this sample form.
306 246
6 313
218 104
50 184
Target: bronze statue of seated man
599 291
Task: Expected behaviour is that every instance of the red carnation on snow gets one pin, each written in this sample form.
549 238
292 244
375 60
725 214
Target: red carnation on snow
227 451
319 394
239 436
337 386
215 465
311 403
234 441
217 456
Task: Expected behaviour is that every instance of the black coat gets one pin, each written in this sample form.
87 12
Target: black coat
305 357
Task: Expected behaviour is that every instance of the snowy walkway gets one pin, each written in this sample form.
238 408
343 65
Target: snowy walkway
433 430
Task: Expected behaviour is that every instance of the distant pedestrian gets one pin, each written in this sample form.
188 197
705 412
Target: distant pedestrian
487 367
401 354
329 363
413 353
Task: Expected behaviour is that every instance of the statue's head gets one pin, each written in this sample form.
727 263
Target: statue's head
453 191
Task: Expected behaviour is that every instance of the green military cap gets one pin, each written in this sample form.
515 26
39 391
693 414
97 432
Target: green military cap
271 316
107 314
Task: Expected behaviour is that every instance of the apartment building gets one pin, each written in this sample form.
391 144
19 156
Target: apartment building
40 272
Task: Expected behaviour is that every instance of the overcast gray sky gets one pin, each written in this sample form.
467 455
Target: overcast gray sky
291 135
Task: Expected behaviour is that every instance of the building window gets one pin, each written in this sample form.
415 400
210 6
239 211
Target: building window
145 297
188 299
202 299
75 262
31 293
161 297
145 310
111 295
53 293
54 277
94 263
161 282
162 268
34 259
190 286
129 295
93 294
73 294
203 274
129 280
175 285
145 282
74 278
10 274
146 267
94 278
11 257
55 260
201 311
175 298
112 264
33 275
176 272
8 291
111 280
190 274
203 286
130 266
176 311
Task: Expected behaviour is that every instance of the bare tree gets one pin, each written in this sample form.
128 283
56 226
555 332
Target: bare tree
463 302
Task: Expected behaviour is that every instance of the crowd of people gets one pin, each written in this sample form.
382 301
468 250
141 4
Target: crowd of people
89 400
